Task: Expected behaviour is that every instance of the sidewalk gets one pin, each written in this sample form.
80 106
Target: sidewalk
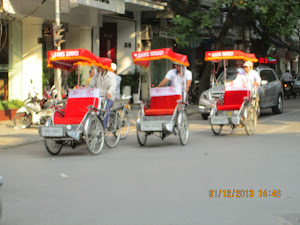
11 137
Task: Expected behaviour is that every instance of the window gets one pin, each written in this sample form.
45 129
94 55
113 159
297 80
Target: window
267 75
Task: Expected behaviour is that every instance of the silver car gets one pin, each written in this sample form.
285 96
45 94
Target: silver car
297 84
270 91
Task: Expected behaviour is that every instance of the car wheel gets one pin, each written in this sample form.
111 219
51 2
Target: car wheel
205 116
279 107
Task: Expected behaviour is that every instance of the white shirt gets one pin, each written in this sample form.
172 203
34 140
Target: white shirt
287 77
176 79
107 83
246 81
118 86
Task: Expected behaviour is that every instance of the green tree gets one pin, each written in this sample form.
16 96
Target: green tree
270 21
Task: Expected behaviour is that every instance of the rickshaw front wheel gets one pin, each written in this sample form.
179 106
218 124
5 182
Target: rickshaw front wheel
250 120
183 127
94 135
216 129
125 126
141 136
113 134
53 147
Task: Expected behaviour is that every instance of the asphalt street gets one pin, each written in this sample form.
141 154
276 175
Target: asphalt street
162 183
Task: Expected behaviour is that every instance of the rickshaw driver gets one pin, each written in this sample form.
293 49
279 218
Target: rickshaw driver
177 78
106 81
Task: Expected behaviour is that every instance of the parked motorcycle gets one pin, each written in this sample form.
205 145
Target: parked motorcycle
288 89
33 112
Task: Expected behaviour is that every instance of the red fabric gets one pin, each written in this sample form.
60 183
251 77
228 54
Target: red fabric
142 58
75 110
233 100
229 54
163 105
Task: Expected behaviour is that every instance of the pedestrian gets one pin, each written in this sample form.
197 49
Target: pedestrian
92 73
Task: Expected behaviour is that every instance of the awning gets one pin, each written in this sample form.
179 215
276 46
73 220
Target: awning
142 58
229 54
68 59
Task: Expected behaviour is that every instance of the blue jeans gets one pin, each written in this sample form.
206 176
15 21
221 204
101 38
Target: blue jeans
106 118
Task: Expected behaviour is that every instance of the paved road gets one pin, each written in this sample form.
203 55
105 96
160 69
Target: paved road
162 183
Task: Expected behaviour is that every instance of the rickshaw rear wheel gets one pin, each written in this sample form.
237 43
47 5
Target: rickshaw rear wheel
125 126
250 120
216 129
141 137
183 127
94 134
53 147
113 133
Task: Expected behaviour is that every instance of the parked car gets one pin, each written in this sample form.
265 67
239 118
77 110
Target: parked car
297 84
270 91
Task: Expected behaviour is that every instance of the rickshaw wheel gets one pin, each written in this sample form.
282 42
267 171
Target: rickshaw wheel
141 137
124 126
183 127
250 120
94 135
53 147
216 129
113 134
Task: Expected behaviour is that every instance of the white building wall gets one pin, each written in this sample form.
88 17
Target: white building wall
32 64
126 44
15 87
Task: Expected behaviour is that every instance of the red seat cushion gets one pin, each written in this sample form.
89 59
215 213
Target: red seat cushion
162 105
75 110
233 100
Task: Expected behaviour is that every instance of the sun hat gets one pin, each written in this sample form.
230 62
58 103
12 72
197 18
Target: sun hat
248 64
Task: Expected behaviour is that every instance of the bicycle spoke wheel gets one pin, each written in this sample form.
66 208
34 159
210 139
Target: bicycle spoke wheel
94 135
250 121
23 120
125 125
216 129
113 134
183 127
53 147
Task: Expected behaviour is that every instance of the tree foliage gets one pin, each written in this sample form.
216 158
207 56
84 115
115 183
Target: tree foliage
271 21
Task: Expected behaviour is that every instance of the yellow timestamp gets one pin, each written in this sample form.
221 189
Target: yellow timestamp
243 193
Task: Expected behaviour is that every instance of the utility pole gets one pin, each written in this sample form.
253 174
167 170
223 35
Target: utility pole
57 75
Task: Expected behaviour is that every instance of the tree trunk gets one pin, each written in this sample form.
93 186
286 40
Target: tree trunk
218 45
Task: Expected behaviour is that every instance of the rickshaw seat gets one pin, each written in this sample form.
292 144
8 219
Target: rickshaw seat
233 100
75 110
163 101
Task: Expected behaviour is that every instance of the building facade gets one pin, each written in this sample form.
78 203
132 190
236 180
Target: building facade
105 27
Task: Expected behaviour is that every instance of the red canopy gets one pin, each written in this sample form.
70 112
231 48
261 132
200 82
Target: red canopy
68 59
142 58
229 54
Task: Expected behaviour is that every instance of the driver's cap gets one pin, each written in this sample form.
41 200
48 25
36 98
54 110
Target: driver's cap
248 64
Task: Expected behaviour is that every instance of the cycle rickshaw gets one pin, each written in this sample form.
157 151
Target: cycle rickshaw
81 119
236 106
166 113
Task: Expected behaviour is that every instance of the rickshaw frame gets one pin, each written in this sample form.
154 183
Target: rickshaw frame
164 125
246 114
90 128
